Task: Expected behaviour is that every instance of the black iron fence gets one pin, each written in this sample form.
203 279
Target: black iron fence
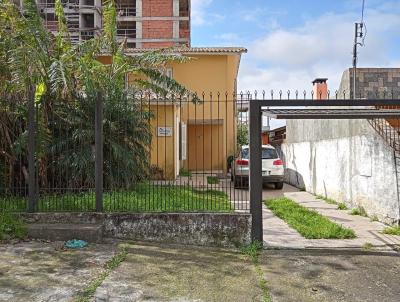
146 155
149 154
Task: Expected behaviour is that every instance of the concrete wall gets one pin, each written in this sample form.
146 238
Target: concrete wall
206 229
347 162
346 159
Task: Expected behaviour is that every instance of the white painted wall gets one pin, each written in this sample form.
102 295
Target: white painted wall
348 163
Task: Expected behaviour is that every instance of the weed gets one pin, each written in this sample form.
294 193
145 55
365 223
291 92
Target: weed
367 246
342 206
394 230
253 251
327 200
359 211
109 266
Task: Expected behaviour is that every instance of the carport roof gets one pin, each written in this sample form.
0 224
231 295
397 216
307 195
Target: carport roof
332 113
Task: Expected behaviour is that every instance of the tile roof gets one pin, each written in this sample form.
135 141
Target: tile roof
194 50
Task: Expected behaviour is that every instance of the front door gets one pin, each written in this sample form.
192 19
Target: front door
205 148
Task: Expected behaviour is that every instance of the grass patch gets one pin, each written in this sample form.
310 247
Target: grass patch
212 180
144 198
11 227
342 206
359 211
185 173
394 230
110 265
253 251
308 223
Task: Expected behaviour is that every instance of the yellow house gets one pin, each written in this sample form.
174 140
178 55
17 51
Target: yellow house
197 137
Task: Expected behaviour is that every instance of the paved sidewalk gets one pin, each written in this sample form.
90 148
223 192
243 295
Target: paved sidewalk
41 271
331 276
277 234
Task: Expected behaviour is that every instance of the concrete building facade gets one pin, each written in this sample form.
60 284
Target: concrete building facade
347 160
140 23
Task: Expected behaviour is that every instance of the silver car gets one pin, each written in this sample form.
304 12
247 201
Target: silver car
272 167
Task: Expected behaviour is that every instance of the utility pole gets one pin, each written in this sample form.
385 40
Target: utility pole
358 34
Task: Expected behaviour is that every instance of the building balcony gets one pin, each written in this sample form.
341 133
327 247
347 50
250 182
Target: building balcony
126 33
87 34
126 11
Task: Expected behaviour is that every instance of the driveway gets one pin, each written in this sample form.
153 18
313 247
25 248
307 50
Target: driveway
241 197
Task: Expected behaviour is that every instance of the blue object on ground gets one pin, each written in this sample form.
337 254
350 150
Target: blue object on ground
76 244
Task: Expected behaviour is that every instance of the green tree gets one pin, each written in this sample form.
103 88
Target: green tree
242 135
66 80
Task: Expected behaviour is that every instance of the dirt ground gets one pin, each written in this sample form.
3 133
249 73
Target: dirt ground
42 271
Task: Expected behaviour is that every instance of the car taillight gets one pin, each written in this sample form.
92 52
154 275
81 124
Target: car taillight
242 162
278 162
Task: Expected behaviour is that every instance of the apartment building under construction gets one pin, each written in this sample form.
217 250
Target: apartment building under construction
141 23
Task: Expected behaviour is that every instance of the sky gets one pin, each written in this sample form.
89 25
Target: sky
292 42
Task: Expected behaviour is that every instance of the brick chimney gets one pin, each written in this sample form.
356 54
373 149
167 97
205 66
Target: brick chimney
320 89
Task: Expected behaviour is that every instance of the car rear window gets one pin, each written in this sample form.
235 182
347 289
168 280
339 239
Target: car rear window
267 153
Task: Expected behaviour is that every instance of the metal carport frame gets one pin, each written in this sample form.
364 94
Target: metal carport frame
257 106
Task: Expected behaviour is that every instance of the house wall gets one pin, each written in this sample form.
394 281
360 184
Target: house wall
212 74
164 149
209 74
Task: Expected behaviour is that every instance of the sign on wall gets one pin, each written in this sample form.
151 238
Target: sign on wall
164 131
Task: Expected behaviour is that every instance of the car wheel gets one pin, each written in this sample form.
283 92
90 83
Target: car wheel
279 185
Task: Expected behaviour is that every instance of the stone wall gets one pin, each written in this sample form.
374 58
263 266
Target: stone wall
205 229
371 82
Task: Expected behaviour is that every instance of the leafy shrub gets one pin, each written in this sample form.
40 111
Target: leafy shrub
156 173
11 226
185 173
242 135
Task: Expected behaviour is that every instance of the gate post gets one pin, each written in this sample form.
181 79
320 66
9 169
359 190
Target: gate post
99 142
32 197
255 180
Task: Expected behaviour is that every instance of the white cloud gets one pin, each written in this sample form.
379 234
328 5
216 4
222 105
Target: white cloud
228 39
198 11
291 59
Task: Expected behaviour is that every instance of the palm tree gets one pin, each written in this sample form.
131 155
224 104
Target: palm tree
65 81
